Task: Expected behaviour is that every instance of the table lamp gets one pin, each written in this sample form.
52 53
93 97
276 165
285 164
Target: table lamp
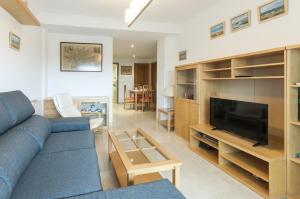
169 93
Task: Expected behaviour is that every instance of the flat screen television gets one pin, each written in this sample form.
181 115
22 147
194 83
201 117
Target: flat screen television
246 119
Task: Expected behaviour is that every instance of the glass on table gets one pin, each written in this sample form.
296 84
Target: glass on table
153 155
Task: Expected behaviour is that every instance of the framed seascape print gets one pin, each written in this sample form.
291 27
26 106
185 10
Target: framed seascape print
241 21
273 9
80 57
126 70
217 30
182 55
14 41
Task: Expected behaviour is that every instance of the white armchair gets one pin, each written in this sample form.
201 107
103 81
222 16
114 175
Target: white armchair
65 107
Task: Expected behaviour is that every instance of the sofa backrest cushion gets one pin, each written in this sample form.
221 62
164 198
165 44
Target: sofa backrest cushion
4 190
6 121
17 149
18 105
38 127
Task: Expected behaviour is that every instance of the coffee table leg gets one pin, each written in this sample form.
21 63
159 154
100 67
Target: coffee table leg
176 176
130 179
109 148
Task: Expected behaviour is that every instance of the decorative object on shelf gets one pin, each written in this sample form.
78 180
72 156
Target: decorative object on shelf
298 155
182 55
241 21
217 30
14 41
80 57
126 70
136 8
273 9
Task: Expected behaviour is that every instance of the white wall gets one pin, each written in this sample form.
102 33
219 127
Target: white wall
78 83
128 80
166 60
21 70
259 36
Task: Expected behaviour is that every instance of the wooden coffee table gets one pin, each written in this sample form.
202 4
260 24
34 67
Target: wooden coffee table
138 158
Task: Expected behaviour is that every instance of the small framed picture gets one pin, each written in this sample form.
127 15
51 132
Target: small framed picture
273 9
126 70
14 41
182 55
241 21
217 30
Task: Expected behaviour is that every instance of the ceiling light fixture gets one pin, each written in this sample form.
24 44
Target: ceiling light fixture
136 8
133 56
132 46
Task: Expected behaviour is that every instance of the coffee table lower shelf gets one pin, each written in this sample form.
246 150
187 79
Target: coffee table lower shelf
122 174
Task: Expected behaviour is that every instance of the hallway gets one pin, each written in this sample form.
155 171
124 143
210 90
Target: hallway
207 183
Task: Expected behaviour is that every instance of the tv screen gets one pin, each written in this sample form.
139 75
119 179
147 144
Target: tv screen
249 120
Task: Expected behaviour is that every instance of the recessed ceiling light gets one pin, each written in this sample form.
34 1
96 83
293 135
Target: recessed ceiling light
133 56
132 46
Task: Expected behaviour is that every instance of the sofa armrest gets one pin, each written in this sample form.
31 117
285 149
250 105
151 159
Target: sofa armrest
70 124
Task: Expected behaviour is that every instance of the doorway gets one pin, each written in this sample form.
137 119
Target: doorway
141 74
116 83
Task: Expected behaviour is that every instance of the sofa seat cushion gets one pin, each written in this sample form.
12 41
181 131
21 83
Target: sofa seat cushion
18 105
156 190
6 121
4 190
38 127
69 141
60 175
17 149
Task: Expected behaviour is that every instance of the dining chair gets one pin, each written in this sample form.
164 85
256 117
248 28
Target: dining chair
128 99
146 99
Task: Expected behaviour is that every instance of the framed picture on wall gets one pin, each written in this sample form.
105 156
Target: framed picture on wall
217 30
273 9
241 21
182 55
126 70
80 57
14 41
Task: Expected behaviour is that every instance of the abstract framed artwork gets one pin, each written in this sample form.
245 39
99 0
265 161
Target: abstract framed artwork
126 70
14 41
80 57
241 21
217 30
273 9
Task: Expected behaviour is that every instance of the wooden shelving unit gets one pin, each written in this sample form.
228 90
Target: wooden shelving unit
259 168
255 66
186 99
19 10
293 123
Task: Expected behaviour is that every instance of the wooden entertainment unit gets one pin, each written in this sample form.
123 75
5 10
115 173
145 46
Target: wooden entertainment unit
267 77
260 168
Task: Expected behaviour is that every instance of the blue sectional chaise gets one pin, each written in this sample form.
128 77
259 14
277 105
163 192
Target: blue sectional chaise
41 158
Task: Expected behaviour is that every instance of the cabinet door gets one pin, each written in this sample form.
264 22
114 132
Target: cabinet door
186 114
181 117
193 118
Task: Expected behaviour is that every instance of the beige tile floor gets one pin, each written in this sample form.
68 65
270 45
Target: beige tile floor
199 178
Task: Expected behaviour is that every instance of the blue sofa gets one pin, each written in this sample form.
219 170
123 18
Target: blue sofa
41 158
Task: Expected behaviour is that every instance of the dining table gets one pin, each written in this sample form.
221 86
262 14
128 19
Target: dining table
138 92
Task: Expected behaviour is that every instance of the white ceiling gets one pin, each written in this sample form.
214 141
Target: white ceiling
162 11
168 11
